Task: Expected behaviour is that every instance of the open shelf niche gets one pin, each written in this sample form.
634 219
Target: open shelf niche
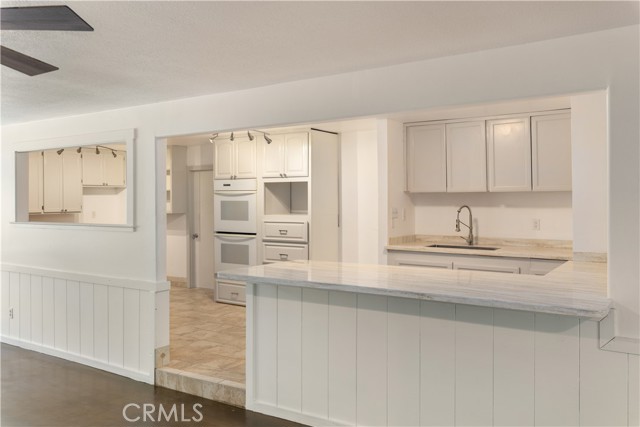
286 198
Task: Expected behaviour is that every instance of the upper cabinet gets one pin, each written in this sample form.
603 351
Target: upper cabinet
531 152
426 158
235 159
103 167
551 152
509 154
62 176
287 156
466 157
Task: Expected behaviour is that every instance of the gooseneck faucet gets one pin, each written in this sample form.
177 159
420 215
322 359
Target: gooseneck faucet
468 239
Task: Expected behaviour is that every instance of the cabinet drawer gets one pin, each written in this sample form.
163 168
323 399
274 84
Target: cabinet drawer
285 231
230 292
273 253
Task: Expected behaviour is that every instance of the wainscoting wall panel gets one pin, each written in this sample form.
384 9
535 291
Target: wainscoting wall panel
107 323
395 361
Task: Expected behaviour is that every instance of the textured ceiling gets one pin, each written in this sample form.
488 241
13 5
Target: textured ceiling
145 52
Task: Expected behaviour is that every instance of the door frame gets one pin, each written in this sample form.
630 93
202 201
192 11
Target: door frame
191 264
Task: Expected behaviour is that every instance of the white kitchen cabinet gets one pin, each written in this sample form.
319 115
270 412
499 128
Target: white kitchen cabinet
466 156
230 292
551 152
62 189
275 252
102 169
509 154
36 182
426 158
235 159
287 156
473 262
176 179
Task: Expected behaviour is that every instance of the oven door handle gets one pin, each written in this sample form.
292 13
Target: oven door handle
234 193
234 237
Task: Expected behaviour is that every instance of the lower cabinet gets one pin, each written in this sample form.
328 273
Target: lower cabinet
274 252
473 263
230 292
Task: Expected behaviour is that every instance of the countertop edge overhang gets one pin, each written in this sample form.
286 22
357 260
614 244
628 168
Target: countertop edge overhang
575 289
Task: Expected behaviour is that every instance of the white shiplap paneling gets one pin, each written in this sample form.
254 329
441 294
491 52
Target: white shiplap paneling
634 390
73 316
513 364
36 309
116 326
603 392
557 367
437 364
60 314
372 360
86 319
474 365
101 322
131 333
289 346
25 307
48 315
266 331
342 357
315 352
403 365
82 321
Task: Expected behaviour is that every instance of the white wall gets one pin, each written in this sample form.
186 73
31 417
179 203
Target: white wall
359 196
582 63
590 165
177 241
104 206
402 222
499 215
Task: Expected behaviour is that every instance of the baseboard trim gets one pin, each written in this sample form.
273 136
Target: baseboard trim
77 358
292 416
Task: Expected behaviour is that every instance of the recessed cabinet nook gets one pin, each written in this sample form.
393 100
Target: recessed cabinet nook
297 196
524 152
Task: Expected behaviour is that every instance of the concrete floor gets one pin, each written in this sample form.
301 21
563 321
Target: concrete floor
207 338
41 390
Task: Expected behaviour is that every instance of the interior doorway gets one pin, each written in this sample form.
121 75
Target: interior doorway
200 213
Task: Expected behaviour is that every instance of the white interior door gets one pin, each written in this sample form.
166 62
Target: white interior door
201 211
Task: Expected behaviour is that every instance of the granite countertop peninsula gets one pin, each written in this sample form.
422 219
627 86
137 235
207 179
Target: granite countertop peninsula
573 289
514 248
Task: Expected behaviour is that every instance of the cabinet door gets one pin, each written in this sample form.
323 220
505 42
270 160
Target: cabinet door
114 168
551 152
52 182
296 155
509 154
71 181
272 155
35 182
92 173
426 159
466 157
223 158
245 158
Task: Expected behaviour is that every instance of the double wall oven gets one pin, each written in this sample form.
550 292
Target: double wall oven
235 232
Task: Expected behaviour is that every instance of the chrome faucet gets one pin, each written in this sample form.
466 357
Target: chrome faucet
468 239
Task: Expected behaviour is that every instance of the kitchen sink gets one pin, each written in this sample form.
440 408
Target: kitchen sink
481 248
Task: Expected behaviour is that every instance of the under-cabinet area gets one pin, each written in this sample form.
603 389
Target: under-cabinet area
86 184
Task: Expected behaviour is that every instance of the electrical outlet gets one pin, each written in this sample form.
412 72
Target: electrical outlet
394 213
535 224
11 313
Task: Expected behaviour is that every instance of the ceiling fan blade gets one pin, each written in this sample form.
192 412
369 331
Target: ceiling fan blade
42 18
23 63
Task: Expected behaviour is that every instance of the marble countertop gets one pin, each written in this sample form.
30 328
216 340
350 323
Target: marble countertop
513 248
573 289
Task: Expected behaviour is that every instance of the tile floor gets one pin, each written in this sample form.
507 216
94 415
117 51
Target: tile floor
207 338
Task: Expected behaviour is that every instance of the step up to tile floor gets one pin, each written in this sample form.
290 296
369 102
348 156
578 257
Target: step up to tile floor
219 390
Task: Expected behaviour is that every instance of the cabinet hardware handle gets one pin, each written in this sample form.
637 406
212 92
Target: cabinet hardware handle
283 232
234 295
284 256
285 175
280 175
